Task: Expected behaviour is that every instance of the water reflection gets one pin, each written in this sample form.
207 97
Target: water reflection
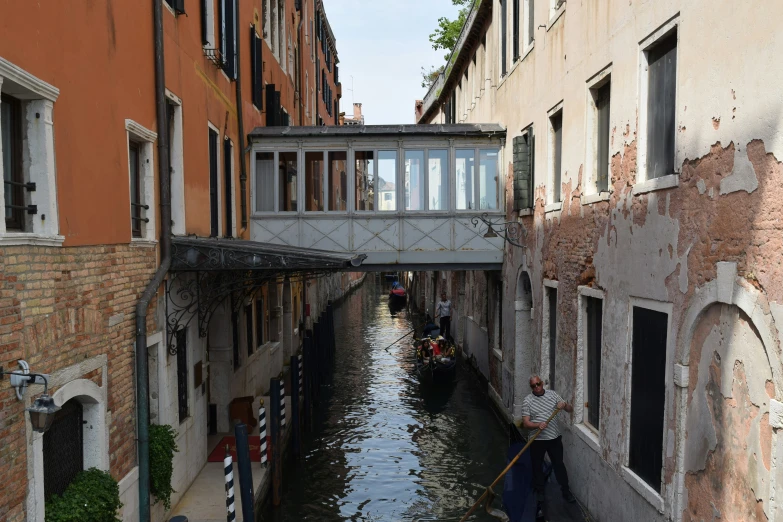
387 447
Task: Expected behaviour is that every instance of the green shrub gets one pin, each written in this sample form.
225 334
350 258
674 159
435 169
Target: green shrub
162 448
93 495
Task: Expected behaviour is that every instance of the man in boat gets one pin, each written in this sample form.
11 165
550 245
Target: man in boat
430 328
444 311
536 409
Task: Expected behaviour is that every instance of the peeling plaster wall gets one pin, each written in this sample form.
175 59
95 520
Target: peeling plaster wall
661 246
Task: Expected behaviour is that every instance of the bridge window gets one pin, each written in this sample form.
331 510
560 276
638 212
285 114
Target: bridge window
414 188
466 159
365 180
387 175
338 180
314 181
287 180
438 180
265 182
488 179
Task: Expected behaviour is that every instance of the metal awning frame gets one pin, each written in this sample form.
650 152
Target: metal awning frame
206 272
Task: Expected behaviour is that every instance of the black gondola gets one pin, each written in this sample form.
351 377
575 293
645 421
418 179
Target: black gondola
436 358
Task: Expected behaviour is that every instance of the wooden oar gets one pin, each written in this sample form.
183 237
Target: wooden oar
401 338
510 464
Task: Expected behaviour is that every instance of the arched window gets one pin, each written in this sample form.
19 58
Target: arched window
63 449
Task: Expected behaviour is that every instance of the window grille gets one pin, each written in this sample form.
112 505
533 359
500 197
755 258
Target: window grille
13 173
63 449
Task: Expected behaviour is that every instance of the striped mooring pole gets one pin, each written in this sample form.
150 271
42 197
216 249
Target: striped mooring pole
282 404
262 431
301 380
228 470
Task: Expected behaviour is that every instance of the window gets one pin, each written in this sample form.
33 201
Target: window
208 23
530 27
287 181
466 159
414 188
438 179
228 191
648 394
387 179
214 202
249 328
13 176
592 313
228 37
488 179
503 37
182 374
137 207
314 181
176 165
63 449
265 182
260 320
515 29
661 99
598 141
281 51
27 125
556 151
256 69
338 181
178 6
364 172
523 164
551 295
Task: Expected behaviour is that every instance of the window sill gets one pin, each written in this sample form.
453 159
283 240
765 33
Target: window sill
664 182
556 16
274 346
143 242
643 488
553 207
498 354
525 212
169 8
588 436
26 238
589 199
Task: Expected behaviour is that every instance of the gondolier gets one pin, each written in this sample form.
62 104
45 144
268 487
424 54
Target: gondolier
536 409
444 311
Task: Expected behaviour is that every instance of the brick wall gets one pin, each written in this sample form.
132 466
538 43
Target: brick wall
56 307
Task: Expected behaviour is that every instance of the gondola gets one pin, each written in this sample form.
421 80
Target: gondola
436 359
397 293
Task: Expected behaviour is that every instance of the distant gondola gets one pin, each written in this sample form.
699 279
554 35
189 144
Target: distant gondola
397 293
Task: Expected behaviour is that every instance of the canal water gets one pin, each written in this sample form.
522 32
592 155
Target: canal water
385 447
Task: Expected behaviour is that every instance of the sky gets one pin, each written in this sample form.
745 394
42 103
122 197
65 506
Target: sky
384 44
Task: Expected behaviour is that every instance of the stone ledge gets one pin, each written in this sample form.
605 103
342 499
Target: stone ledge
664 182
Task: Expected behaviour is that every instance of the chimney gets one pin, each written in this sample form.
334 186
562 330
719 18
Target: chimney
357 111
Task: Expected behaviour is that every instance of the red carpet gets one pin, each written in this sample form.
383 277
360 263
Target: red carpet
219 452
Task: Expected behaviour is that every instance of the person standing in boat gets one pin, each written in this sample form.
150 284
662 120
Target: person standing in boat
536 409
444 310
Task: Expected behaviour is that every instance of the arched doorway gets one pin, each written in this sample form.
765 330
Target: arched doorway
523 339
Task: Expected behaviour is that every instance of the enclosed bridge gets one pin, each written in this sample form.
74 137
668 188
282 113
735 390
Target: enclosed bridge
403 195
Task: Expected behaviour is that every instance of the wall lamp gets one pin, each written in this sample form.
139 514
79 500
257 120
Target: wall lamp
43 409
511 231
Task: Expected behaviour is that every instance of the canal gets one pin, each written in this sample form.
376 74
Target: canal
385 447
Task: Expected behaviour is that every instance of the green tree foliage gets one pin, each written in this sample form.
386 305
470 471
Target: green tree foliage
93 496
447 32
428 76
162 448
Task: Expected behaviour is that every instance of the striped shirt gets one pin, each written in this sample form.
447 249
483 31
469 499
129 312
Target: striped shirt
539 408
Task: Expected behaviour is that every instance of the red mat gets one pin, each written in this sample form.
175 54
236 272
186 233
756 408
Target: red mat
219 453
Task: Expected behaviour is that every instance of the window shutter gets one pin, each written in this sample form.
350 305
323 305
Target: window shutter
256 65
503 36
179 6
204 22
272 106
523 172
231 39
532 160
515 29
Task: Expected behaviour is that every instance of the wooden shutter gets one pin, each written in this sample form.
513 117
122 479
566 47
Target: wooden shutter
213 182
179 6
257 68
204 19
523 170
503 37
515 29
229 23
227 184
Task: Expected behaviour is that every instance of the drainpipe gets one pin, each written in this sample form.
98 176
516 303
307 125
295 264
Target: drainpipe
164 179
241 125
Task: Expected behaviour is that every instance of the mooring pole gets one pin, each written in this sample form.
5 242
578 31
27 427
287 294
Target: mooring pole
245 473
274 425
228 472
262 432
307 361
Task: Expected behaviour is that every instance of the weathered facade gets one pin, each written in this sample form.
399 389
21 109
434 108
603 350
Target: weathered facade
643 161
79 246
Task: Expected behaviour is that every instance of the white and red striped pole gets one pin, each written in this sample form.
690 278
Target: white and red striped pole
228 470
262 431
